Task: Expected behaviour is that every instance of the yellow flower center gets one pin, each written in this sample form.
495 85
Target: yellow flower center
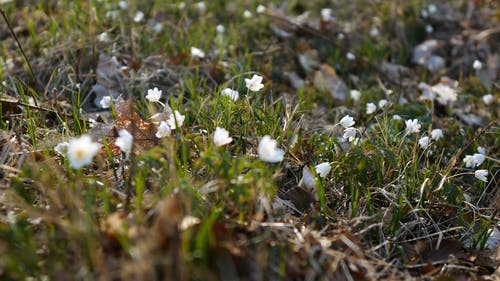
80 154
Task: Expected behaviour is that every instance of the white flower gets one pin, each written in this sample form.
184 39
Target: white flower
397 117
232 94
432 9
254 84
123 5
197 53
478 159
374 32
221 137
181 5
488 99
188 222
61 148
261 9
481 150
124 141
423 142
355 95
247 14
340 36
202 7
81 151
412 126
153 95
307 181
427 93
347 121
444 93
436 134
112 14
139 16
268 150
429 29
326 14
477 65
175 121
350 56
473 160
481 175
158 27
103 37
323 169
370 108
163 130
349 134
468 160
105 102
219 28
424 14
382 103
493 239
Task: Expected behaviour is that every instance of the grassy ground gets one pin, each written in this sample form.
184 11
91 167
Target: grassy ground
392 207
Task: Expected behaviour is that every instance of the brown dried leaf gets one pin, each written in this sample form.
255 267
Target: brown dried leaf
127 119
428 252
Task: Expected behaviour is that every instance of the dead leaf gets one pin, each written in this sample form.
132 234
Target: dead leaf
127 119
424 251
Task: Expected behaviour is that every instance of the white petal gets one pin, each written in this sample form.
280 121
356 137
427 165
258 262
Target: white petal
323 169
268 151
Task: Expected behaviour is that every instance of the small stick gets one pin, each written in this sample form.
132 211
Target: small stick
22 53
20 103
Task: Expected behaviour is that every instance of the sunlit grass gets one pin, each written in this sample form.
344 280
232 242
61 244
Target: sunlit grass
180 207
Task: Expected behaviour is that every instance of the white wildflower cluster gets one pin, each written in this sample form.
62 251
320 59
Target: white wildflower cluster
232 94
475 160
424 141
349 132
372 107
175 119
81 150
